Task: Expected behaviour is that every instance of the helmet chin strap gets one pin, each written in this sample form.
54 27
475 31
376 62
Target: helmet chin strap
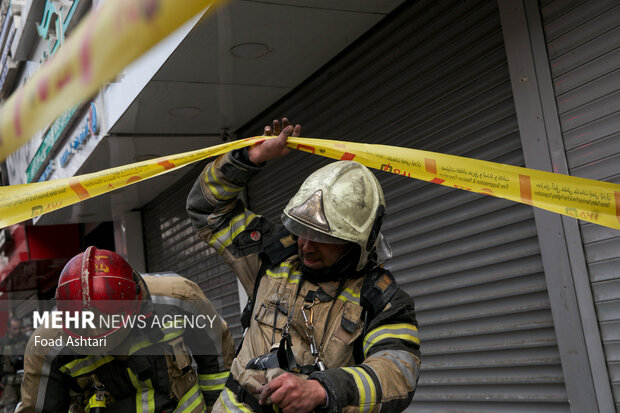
343 268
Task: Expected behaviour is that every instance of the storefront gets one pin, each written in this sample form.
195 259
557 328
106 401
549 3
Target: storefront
519 309
31 258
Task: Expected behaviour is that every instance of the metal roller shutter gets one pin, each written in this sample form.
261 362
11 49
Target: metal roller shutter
583 43
27 302
433 76
171 245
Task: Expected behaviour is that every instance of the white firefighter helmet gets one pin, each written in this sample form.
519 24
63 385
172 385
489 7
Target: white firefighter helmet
340 203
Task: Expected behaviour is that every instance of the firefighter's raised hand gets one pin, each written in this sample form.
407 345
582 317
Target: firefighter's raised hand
293 394
273 148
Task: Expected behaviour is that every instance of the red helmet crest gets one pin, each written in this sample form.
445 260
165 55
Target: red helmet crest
97 275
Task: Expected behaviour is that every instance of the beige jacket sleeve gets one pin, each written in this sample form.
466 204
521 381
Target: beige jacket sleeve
221 220
44 389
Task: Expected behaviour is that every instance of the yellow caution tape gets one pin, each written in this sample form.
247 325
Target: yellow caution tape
586 199
21 202
105 41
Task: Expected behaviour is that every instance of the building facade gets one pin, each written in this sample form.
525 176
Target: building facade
519 308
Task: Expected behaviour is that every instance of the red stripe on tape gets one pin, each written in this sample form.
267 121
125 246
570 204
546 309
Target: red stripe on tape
525 185
77 187
166 164
437 180
347 156
133 179
305 148
430 165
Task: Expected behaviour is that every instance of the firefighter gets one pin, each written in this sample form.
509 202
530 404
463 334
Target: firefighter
328 328
139 352
12 347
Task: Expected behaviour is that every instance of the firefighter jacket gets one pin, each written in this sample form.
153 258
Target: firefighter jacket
11 362
12 352
155 372
364 327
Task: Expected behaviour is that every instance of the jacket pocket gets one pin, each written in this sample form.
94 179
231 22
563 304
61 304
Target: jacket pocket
274 307
351 325
339 349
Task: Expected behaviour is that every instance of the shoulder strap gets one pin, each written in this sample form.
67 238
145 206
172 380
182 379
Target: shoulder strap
281 246
378 289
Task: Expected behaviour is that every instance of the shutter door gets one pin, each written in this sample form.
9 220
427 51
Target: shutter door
433 76
171 245
583 43
26 303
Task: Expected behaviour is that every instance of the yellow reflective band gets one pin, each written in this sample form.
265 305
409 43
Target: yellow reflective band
171 336
145 343
93 402
214 376
371 384
92 363
283 275
226 193
401 331
349 295
139 346
231 224
365 387
226 236
145 395
212 387
230 403
150 395
287 272
186 404
277 275
217 380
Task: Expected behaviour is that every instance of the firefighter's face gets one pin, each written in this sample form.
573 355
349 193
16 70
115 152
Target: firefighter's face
14 328
319 255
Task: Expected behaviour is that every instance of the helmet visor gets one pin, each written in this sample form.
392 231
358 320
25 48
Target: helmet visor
303 231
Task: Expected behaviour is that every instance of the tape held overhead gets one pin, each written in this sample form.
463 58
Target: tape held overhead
104 42
586 199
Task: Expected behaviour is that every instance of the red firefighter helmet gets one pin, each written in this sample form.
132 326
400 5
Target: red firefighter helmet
102 282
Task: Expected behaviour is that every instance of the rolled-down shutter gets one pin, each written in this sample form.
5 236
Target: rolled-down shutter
433 76
583 43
